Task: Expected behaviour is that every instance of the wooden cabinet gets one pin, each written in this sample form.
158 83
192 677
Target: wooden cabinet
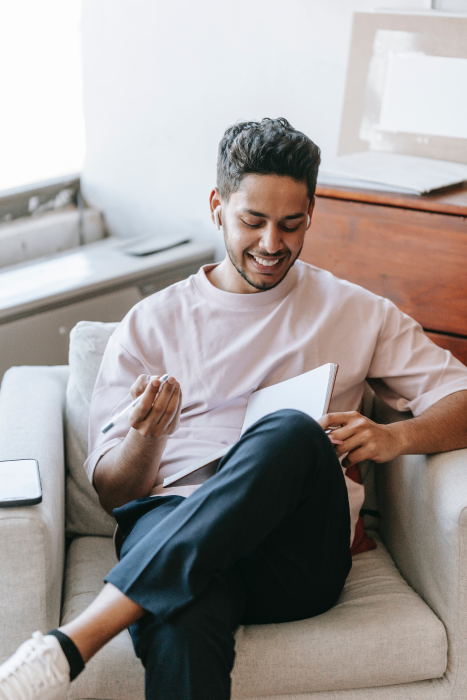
412 250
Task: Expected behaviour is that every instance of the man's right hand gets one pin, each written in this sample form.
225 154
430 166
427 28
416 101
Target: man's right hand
129 470
156 415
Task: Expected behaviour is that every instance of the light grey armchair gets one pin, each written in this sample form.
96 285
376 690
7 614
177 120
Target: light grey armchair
389 637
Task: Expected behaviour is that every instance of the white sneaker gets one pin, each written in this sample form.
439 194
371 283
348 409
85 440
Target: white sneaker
38 670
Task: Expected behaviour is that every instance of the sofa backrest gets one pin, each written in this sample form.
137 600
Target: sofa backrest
84 514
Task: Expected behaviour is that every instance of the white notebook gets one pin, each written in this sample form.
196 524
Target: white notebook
310 393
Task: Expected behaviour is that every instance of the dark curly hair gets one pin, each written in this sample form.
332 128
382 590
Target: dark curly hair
268 147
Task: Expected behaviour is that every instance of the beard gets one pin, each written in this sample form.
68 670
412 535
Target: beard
262 286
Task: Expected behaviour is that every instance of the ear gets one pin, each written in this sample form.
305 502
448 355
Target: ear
310 213
215 203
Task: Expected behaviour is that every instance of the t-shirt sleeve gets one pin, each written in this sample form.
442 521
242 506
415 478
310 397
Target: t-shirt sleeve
408 371
118 371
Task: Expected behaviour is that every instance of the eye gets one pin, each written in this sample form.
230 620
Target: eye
291 230
251 225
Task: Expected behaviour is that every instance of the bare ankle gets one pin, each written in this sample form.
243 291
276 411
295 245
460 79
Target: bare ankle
108 615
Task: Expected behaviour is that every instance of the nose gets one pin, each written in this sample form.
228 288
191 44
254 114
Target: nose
271 238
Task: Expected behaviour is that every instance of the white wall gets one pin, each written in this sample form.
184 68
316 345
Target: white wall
163 79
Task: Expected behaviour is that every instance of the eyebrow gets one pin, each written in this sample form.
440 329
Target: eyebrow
258 213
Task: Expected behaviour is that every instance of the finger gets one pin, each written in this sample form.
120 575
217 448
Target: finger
358 424
356 456
161 401
336 442
337 419
333 440
165 392
324 421
353 443
145 382
174 425
346 432
146 401
366 441
139 386
178 408
171 411
158 422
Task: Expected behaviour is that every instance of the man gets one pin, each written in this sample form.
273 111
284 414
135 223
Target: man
267 538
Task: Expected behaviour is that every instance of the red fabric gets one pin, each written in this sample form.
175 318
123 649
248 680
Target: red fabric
361 541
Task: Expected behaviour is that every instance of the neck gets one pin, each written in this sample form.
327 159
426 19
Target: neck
225 277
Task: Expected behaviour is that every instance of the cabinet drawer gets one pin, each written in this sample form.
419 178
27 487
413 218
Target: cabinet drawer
417 259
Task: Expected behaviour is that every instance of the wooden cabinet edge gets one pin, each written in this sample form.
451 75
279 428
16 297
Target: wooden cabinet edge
456 345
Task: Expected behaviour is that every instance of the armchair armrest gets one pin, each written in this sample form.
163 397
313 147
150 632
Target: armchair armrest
423 504
32 401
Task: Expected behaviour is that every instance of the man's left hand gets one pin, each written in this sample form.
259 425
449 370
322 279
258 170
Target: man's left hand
362 438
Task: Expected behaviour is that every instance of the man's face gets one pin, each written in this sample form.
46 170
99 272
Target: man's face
264 224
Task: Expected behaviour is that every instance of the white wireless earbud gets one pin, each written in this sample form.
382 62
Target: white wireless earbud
308 221
216 217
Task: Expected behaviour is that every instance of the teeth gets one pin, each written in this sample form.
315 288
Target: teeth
266 263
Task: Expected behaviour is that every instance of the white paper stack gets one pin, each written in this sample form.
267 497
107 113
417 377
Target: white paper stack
391 172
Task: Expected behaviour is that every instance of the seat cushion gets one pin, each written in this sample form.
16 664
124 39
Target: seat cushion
84 514
379 633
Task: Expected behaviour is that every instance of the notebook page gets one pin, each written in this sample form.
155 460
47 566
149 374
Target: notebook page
306 393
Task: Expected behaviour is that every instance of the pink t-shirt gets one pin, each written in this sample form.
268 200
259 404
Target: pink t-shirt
222 346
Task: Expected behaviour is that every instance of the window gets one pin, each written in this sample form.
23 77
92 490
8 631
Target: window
41 120
449 5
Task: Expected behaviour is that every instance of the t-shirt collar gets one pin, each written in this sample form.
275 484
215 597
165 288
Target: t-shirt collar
244 301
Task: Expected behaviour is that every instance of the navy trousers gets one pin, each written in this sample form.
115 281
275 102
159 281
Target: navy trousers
266 539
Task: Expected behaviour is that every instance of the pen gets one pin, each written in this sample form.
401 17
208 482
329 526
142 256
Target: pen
126 411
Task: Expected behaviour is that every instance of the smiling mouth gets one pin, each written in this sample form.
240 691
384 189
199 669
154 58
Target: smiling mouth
266 262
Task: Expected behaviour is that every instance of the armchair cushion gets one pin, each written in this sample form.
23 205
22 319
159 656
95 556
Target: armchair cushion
379 633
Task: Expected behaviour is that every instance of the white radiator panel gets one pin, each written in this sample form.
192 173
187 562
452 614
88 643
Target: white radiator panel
43 339
41 302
